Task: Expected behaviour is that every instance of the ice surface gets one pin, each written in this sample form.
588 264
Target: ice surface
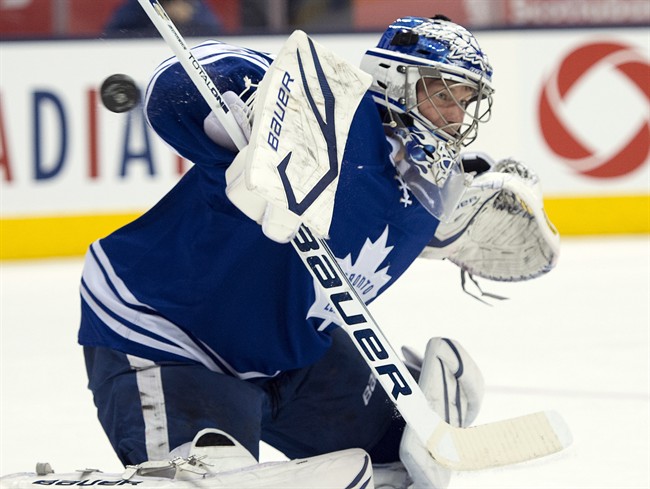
575 341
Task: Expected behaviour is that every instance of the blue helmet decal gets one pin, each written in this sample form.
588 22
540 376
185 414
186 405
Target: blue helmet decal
436 41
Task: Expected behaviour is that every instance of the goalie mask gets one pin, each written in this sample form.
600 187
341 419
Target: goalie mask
432 82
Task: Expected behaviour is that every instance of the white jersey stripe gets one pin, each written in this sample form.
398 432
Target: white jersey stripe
105 264
128 333
96 282
103 290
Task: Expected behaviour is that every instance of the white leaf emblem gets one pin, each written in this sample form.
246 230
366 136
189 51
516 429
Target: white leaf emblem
363 274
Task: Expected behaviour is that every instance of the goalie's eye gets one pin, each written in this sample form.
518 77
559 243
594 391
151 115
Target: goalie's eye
445 96
462 95
442 98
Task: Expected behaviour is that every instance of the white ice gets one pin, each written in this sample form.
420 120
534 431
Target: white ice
575 341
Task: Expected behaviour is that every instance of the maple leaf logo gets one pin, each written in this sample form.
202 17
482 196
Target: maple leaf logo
363 275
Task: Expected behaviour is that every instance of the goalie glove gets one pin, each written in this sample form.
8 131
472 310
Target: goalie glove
499 230
288 173
454 387
243 115
277 224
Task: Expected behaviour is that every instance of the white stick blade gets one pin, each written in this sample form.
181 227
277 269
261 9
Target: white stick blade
501 443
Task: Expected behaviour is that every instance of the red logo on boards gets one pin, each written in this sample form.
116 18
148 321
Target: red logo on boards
622 158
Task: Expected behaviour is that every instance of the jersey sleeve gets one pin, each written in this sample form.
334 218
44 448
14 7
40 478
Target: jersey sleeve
176 111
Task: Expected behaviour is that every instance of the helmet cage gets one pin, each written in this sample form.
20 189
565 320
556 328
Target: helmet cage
476 109
413 48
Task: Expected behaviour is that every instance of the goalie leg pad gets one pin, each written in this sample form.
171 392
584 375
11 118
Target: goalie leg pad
350 469
454 387
212 451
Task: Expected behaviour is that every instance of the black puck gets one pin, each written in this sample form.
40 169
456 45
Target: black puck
119 93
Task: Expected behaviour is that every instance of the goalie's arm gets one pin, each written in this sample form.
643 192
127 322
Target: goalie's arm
180 115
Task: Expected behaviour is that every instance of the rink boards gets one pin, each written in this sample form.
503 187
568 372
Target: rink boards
572 104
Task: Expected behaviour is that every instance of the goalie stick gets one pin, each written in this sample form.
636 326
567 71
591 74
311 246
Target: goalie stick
500 443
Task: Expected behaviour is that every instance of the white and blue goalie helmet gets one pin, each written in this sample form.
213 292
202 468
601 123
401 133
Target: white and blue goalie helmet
415 53
416 48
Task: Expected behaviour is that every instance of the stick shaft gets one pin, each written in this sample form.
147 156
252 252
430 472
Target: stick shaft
195 71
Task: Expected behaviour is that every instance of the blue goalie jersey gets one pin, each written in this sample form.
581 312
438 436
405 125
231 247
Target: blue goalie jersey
195 280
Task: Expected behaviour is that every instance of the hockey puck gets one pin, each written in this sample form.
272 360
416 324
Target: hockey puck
119 93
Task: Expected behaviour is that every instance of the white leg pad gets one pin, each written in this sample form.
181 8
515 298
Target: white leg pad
454 387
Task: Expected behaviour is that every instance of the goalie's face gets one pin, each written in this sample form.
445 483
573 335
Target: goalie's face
445 104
